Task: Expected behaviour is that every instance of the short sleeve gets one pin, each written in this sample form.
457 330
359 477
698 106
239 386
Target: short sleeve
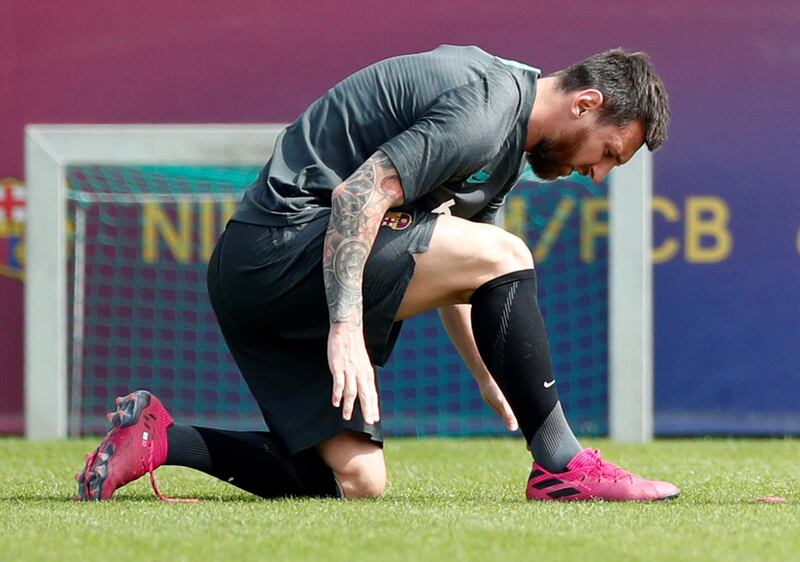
463 129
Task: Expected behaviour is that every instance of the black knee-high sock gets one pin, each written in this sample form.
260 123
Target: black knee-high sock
512 340
254 461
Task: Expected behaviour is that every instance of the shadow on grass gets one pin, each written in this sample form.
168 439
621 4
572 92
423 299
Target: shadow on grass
402 500
139 499
35 498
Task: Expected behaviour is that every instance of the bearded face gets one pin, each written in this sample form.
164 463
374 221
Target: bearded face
551 159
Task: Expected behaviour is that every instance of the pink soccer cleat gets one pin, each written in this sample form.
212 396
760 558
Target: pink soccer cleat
589 477
135 444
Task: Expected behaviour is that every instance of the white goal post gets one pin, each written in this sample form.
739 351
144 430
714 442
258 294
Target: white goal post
49 149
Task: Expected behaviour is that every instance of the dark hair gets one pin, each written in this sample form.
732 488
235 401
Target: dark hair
631 90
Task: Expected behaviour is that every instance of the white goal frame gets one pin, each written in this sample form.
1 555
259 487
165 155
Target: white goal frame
49 149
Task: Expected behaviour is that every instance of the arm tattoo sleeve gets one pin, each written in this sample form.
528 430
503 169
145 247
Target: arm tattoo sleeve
357 208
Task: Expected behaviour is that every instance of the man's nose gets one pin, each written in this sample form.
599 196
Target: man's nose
600 171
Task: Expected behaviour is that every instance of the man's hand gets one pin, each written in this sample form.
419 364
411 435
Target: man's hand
457 323
494 397
353 373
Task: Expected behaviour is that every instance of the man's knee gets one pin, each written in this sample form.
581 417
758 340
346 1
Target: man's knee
357 463
363 479
504 253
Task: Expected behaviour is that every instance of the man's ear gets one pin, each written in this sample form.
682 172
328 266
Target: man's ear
585 101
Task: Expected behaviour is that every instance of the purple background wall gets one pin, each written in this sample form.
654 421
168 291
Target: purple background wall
726 332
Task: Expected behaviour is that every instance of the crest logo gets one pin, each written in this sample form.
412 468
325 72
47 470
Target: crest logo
12 228
397 221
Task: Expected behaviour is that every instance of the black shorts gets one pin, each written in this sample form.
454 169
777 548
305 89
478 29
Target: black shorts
266 288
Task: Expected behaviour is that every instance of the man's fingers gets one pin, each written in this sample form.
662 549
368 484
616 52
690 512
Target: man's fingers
353 375
349 395
499 404
376 411
367 394
338 388
511 422
494 403
510 418
365 398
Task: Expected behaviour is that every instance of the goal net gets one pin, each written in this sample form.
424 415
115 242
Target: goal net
137 230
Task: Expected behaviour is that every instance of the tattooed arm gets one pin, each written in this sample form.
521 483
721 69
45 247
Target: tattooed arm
357 208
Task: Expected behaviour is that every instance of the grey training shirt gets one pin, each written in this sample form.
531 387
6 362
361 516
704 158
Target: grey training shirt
453 121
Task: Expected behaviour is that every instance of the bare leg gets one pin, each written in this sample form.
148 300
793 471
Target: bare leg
357 464
463 255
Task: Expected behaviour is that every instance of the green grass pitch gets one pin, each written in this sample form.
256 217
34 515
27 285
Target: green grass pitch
449 499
